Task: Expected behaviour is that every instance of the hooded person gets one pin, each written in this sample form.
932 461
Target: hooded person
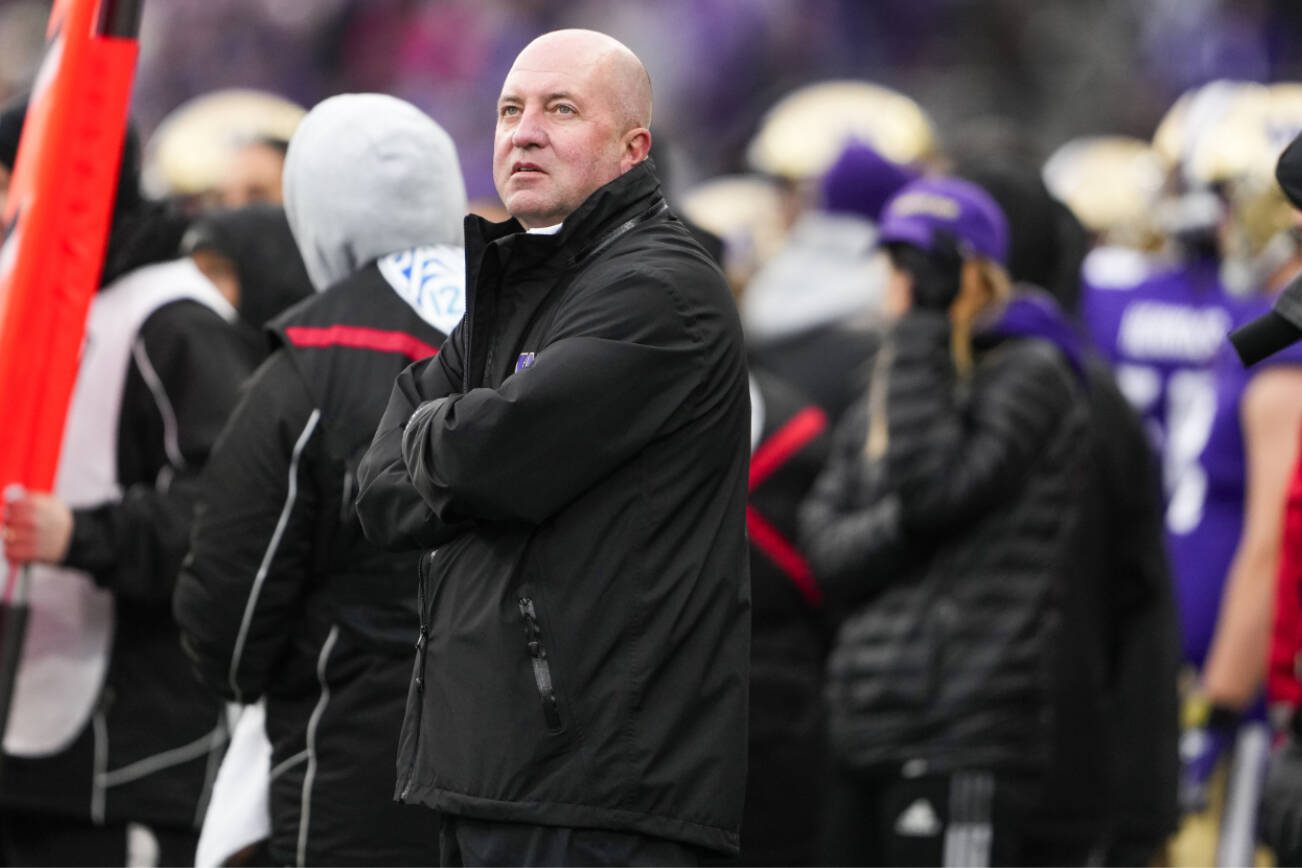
813 308
282 598
111 744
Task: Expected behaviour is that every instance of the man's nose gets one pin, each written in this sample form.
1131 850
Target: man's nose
529 132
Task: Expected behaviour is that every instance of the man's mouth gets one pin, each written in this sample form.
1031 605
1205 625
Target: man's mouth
518 168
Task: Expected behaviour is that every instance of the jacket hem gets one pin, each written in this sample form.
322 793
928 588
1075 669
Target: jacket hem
577 816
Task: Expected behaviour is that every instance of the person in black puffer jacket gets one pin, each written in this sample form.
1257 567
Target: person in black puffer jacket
937 531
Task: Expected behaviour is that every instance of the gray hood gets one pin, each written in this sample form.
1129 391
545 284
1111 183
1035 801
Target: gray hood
825 273
368 175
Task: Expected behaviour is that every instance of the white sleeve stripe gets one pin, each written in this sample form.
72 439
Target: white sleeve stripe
171 437
314 722
286 765
205 744
97 792
270 553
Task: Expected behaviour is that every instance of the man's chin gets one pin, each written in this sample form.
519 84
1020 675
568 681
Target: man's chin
532 213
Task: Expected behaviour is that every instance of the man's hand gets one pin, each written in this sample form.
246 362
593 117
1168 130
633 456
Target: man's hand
37 528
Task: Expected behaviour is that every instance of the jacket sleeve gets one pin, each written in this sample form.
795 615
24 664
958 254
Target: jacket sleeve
241 587
390 509
628 357
186 369
951 461
852 533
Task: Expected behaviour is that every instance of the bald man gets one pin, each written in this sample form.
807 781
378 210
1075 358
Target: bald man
574 463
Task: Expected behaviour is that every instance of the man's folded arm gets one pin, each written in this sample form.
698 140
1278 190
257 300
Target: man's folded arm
391 511
622 367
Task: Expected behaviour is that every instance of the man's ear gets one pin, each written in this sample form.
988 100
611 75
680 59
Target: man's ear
637 145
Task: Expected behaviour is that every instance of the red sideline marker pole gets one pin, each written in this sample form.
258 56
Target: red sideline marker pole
56 224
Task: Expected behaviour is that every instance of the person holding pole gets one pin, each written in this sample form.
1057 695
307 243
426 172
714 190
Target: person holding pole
159 373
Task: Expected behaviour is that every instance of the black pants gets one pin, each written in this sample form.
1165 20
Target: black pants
969 818
49 840
465 842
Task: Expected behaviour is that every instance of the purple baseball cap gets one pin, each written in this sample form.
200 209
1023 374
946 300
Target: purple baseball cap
862 181
952 205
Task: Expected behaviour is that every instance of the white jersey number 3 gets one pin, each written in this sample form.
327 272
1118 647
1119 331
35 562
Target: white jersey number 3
1190 413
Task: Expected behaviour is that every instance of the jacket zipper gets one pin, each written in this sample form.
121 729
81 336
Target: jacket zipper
542 670
422 572
425 564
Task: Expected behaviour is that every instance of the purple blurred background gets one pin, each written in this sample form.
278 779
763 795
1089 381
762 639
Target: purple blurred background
1053 69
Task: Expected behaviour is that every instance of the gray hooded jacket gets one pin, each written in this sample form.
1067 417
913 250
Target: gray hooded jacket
282 597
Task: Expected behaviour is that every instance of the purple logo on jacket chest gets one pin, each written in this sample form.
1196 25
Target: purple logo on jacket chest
524 361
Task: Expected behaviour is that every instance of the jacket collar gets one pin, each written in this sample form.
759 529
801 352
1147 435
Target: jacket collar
632 193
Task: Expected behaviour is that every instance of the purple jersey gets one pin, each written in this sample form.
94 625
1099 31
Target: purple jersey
1163 329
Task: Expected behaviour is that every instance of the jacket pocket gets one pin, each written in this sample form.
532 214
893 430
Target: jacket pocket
536 648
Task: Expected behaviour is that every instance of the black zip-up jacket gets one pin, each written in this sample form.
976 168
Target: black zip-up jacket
943 553
151 750
283 598
578 454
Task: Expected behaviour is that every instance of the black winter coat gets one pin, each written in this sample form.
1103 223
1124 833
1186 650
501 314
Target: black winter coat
943 551
1116 722
283 598
577 456
151 751
788 635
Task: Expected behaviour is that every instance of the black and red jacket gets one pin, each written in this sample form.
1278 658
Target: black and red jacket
283 597
786 458
788 645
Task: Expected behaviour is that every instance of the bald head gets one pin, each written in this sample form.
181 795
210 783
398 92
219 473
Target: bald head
611 63
572 117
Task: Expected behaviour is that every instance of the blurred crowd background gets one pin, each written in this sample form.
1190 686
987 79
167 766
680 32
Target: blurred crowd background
1150 248
1057 68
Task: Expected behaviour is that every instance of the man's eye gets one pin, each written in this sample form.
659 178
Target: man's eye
509 110
565 109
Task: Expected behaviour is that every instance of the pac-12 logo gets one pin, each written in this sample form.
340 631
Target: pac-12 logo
524 361
431 280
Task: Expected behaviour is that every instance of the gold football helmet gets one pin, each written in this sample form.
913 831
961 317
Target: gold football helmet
804 132
191 149
746 212
1191 209
1111 184
1236 156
